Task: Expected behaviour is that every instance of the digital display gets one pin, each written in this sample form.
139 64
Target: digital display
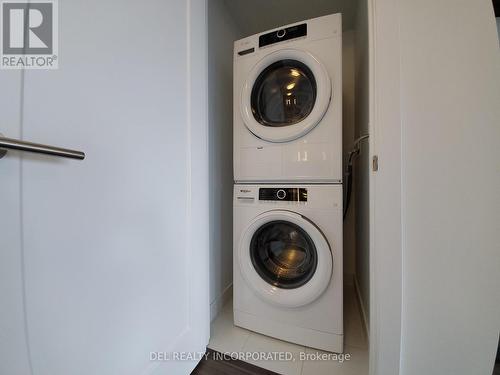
283 194
288 33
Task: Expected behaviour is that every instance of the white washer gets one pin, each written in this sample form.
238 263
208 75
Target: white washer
288 263
288 103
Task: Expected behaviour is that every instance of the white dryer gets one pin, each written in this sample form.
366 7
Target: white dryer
288 263
288 103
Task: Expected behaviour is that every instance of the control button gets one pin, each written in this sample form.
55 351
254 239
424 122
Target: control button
281 194
281 33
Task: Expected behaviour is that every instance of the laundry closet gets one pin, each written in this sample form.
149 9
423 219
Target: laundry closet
230 21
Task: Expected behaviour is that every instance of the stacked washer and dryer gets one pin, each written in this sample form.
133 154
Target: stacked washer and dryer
288 197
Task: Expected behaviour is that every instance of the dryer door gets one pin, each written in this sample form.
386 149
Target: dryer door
285 258
285 96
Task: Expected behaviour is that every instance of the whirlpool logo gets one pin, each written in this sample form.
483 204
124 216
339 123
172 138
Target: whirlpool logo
29 34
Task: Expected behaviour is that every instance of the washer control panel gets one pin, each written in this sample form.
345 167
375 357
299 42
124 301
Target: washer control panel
283 194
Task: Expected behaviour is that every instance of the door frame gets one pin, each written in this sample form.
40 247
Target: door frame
198 166
385 142
197 181
386 235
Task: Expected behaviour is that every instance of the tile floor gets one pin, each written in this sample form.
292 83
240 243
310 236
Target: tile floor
225 337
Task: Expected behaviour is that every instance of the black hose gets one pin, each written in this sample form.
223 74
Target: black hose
348 172
348 188
348 179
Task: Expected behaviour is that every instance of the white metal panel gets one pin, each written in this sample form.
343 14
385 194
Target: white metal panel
324 42
320 323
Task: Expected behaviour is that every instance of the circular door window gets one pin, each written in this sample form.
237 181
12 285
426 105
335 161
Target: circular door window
285 259
285 96
283 254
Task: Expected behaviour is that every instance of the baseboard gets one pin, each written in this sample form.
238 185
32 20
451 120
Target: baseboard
216 305
363 310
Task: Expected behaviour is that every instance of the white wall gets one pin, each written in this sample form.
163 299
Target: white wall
348 108
362 164
257 16
498 28
222 31
450 91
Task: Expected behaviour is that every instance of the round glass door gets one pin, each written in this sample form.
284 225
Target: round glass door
283 94
284 258
283 254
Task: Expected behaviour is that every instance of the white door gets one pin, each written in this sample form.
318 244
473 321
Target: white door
102 262
434 254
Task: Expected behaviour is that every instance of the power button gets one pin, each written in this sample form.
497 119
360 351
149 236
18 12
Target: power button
281 194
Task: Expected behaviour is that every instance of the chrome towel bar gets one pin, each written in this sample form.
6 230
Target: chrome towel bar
14 144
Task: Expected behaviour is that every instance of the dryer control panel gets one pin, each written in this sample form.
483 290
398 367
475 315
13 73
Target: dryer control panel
283 194
281 35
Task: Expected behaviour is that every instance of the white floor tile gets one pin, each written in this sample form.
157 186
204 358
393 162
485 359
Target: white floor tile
224 335
259 343
358 364
353 362
319 362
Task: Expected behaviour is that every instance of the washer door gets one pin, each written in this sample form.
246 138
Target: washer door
285 96
285 258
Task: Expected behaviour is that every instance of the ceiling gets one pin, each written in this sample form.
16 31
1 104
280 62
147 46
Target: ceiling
255 16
